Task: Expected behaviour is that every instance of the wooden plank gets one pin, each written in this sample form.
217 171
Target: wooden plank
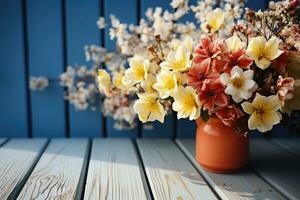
241 185
13 101
165 130
114 171
18 158
170 174
2 140
290 144
58 172
277 166
46 58
125 15
81 17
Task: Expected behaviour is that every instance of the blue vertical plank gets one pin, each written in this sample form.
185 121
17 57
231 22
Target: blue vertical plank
167 129
257 4
81 30
45 44
126 11
13 101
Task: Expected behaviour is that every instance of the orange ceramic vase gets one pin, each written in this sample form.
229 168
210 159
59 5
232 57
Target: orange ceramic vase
219 148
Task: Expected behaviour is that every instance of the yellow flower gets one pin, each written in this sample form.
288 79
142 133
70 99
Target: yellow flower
263 112
149 108
147 84
234 43
178 60
166 83
181 78
103 80
186 103
263 51
137 72
117 80
214 20
187 42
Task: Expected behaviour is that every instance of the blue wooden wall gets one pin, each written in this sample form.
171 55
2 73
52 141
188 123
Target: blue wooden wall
42 37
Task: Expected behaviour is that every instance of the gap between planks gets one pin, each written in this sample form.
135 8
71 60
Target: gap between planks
114 171
18 157
2 141
58 172
290 144
241 185
277 166
170 174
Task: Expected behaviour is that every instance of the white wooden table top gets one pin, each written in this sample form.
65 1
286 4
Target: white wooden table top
141 169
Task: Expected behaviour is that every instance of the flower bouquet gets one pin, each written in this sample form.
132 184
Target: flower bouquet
246 80
233 71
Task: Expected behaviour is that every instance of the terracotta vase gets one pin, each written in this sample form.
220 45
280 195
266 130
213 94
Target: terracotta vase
219 148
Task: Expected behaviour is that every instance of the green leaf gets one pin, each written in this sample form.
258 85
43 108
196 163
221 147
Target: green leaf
205 115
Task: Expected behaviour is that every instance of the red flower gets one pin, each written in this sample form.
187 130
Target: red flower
211 53
212 94
238 58
281 62
200 72
229 114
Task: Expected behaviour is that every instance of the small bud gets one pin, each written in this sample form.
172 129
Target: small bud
157 37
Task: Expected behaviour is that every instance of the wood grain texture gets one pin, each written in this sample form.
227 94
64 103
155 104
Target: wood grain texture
114 171
17 158
290 144
169 173
277 166
57 174
242 185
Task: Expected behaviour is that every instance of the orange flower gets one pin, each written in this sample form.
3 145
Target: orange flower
200 72
229 114
210 52
212 94
238 58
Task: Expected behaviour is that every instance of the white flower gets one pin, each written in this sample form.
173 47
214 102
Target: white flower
38 83
67 78
162 27
177 3
239 83
101 23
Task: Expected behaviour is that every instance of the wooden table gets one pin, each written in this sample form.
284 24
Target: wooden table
141 169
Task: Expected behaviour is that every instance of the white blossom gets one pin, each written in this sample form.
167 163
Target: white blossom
38 83
101 23
130 40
